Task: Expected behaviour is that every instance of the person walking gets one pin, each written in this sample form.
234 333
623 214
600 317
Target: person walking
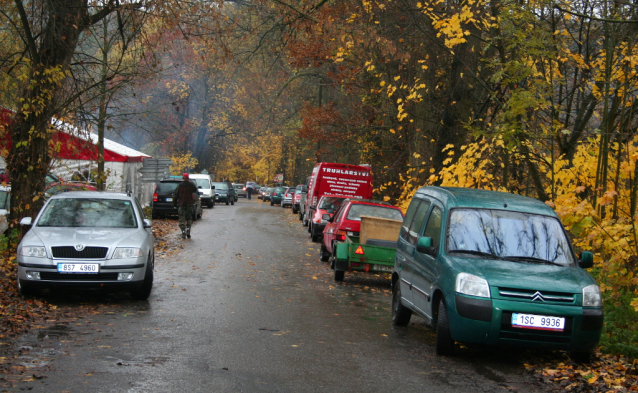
183 196
249 190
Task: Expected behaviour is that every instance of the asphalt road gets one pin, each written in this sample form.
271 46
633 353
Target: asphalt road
246 306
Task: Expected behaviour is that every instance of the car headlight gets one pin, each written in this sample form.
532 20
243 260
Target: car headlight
469 284
591 296
127 252
34 251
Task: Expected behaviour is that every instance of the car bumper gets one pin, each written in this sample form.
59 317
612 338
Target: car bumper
221 198
108 274
489 322
164 208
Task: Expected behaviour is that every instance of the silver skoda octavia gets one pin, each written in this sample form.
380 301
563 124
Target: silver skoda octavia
88 239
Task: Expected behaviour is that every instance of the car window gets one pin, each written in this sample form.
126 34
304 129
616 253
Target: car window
55 189
203 183
330 203
84 212
415 206
417 221
139 208
167 186
509 234
358 210
5 197
433 227
221 186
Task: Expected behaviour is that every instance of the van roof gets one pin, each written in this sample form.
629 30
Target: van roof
485 199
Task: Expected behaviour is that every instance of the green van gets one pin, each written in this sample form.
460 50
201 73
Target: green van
494 268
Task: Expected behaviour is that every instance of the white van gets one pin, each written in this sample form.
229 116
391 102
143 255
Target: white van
205 188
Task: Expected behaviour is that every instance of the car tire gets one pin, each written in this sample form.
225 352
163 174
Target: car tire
444 343
143 292
400 314
201 213
232 203
324 255
339 275
581 357
305 221
294 211
272 203
227 202
25 290
210 205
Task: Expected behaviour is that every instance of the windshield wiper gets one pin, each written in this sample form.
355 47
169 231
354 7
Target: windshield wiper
478 253
533 260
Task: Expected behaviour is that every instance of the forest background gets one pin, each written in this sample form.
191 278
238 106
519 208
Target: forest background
533 97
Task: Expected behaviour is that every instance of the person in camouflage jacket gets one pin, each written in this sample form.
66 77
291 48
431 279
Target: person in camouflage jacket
184 200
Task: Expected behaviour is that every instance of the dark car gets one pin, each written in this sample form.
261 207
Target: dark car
225 192
163 199
265 196
277 195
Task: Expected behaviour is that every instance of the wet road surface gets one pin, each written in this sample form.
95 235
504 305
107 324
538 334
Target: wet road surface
246 306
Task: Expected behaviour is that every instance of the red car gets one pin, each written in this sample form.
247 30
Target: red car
347 221
327 205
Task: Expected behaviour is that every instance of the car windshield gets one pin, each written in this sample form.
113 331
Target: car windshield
85 212
168 186
239 187
5 197
509 235
357 210
330 203
202 183
221 186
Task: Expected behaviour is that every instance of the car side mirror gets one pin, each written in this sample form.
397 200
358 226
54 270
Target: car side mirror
586 260
212 188
147 223
326 217
313 207
26 221
199 186
424 246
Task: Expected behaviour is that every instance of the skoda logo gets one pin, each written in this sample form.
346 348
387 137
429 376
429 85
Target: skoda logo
79 247
537 296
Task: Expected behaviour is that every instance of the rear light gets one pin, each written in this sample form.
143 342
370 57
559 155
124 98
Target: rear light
341 236
154 197
359 251
366 267
356 264
244 189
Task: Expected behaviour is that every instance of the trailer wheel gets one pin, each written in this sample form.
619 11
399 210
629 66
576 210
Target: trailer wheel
339 274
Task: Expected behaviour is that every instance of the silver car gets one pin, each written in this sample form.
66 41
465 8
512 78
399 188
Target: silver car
88 239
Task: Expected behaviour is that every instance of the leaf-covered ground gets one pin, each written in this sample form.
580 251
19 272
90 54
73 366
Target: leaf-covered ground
606 373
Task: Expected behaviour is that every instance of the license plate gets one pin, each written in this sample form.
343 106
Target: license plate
383 268
78 267
169 199
538 322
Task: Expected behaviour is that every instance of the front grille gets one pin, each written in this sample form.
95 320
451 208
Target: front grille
54 276
543 336
536 296
69 252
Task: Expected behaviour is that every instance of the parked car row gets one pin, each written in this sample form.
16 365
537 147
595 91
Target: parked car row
478 266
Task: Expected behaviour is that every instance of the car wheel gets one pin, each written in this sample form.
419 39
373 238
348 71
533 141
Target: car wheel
227 202
400 314
232 203
272 203
304 221
323 253
210 205
294 211
444 343
143 292
195 214
339 275
201 212
582 357
24 289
